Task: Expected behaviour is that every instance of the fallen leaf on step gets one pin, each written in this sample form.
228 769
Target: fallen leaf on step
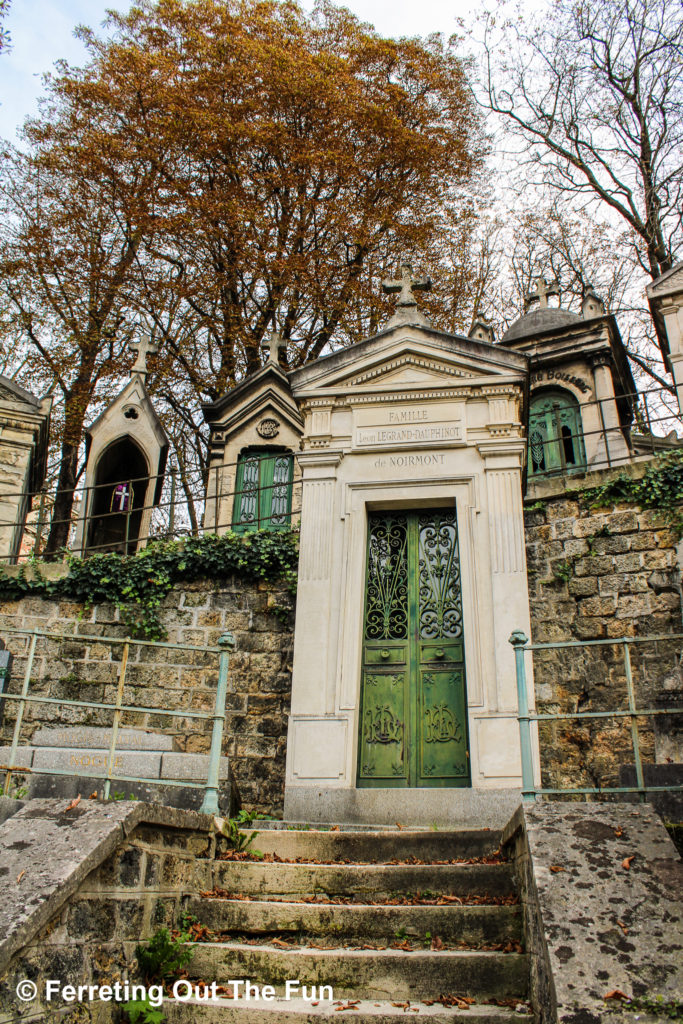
437 943
335 828
399 825
93 796
623 927
627 861
74 803
618 832
21 875
556 867
616 993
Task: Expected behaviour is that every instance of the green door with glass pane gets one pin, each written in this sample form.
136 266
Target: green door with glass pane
413 714
263 492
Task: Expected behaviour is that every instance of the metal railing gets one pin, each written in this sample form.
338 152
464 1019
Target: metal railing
169 518
611 443
530 791
118 709
192 503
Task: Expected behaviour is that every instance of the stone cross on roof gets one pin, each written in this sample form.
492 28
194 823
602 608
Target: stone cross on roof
407 285
540 295
276 345
145 347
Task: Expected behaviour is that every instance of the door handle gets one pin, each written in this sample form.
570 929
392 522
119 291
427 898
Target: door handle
384 654
439 653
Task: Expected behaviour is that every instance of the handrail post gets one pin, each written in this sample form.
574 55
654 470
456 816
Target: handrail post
635 740
20 710
519 640
117 719
210 802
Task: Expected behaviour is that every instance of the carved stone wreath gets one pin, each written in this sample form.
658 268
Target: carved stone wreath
268 428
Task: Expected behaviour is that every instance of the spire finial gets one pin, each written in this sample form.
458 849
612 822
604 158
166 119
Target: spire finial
540 294
145 347
276 345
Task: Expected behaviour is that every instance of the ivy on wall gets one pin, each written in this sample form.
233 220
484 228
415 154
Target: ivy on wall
137 584
660 488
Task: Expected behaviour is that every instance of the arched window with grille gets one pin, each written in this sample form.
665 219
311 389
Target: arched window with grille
555 434
263 491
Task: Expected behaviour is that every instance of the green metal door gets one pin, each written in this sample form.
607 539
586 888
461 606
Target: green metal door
413 717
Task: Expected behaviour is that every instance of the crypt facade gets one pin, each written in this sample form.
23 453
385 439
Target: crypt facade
406 457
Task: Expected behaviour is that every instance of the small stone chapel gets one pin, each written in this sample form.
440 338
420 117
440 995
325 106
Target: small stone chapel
404 457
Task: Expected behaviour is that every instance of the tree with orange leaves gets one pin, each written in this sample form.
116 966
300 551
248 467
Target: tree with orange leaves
259 168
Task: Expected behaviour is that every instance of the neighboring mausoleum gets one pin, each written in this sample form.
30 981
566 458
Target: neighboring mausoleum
24 427
126 450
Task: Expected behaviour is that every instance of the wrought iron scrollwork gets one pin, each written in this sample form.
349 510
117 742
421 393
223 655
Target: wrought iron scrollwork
382 725
386 603
440 600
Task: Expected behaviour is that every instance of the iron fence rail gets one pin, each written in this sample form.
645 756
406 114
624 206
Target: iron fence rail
223 649
530 791
175 516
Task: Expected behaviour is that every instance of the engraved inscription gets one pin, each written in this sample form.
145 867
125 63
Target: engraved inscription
408 435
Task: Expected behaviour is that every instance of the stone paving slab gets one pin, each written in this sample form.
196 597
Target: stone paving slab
368 974
98 738
46 851
339 922
299 1011
373 880
191 766
378 847
141 764
603 925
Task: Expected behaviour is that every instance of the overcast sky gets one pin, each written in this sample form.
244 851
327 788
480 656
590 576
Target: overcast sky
42 32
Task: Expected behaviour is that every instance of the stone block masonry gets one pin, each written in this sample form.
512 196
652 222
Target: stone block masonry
602 574
259 616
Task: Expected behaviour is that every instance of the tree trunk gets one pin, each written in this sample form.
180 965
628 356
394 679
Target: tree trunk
64 499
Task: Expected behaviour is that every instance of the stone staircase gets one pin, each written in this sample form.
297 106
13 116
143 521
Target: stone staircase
406 922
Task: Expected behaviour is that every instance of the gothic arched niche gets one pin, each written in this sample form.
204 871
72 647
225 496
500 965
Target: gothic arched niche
555 433
120 486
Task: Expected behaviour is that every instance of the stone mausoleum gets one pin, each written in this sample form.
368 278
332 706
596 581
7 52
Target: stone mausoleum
411 452
404 459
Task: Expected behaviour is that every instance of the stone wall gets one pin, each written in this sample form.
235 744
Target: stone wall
602 575
98 879
79 667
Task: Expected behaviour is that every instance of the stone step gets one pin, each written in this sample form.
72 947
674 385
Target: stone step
375 847
361 880
299 1011
469 924
389 974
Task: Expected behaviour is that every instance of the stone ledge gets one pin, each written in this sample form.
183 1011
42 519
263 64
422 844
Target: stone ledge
593 925
47 851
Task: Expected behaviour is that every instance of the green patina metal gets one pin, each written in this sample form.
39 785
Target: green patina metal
555 434
226 644
413 724
530 791
263 492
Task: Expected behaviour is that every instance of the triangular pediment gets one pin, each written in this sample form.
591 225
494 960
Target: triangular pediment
669 283
12 392
406 358
409 368
270 403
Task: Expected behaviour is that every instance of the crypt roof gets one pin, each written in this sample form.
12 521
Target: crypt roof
10 391
422 348
666 286
538 321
